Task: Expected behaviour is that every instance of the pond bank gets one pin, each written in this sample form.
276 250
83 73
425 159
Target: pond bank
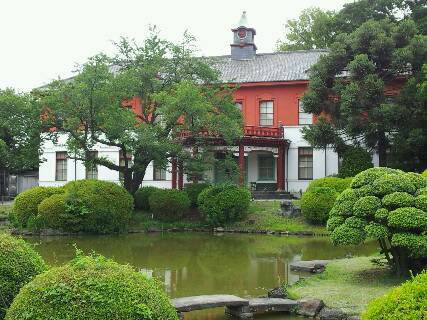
347 284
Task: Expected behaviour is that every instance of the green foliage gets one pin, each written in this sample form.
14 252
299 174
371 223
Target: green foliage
398 200
92 287
97 206
169 204
141 197
338 184
345 235
193 190
26 203
312 30
421 202
388 184
316 204
368 176
20 131
380 204
52 210
376 231
418 180
224 203
179 98
424 174
355 160
407 301
19 263
408 219
366 206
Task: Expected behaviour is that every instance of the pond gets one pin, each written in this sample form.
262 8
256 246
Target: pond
200 263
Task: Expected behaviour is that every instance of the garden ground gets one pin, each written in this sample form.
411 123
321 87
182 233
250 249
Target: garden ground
347 284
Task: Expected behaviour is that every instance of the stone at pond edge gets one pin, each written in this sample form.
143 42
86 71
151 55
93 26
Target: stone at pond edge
278 292
331 314
309 307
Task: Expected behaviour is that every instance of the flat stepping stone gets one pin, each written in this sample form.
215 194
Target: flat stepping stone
313 266
263 305
187 304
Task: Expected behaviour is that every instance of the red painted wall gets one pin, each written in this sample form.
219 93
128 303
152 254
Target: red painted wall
285 98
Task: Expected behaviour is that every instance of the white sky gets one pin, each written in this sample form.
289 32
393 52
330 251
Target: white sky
43 39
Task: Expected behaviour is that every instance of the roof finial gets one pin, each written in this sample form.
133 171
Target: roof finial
243 20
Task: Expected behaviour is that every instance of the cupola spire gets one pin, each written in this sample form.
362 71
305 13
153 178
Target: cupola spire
243 46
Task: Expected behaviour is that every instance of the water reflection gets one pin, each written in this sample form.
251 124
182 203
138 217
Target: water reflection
196 263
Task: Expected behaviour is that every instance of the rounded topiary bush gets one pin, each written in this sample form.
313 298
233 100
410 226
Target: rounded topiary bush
193 190
370 175
421 202
408 219
26 203
52 210
338 184
405 302
222 204
388 184
19 264
98 206
346 235
316 204
141 197
366 206
169 204
354 160
398 200
92 287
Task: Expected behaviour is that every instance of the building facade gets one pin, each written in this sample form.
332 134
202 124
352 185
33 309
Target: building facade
272 155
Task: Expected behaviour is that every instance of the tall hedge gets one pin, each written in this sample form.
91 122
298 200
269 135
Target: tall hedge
169 204
95 288
408 301
336 183
316 204
224 203
389 205
19 264
142 196
26 203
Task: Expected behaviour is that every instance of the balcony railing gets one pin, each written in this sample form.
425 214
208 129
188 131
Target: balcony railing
249 131
271 132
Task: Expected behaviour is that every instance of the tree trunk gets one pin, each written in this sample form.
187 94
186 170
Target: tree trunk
382 150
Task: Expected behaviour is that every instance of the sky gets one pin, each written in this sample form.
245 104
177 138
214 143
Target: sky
41 40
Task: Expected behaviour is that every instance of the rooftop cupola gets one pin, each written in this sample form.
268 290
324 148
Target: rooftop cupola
243 46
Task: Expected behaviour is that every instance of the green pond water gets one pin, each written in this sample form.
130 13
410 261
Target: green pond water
198 263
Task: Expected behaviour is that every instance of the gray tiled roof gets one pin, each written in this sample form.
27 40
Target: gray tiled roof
266 67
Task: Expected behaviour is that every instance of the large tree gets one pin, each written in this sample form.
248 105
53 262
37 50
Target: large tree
347 86
313 29
20 128
176 94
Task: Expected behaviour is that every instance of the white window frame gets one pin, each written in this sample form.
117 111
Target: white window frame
266 113
304 118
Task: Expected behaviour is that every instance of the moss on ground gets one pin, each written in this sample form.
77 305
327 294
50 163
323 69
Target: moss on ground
347 284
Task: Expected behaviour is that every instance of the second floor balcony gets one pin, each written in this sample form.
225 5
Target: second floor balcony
248 131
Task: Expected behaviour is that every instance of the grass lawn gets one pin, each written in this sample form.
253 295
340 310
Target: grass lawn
347 284
263 215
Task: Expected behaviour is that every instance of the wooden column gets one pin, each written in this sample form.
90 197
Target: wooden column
174 167
280 168
180 175
242 164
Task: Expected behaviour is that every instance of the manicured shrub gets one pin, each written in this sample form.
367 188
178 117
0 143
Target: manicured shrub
316 204
19 263
355 160
398 200
388 184
169 204
224 203
366 206
421 202
141 197
400 215
345 235
26 203
408 219
52 210
193 190
407 301
370 175
424 174
98 206
338 184
334 222
92 287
